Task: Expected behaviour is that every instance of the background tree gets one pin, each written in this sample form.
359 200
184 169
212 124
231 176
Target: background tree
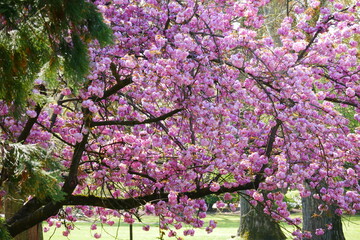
316 214
254 223
253 218
188 103
273 12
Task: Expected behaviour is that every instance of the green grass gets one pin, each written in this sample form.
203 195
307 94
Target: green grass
227 225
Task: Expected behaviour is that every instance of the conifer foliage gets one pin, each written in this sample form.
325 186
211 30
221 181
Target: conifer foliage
49 36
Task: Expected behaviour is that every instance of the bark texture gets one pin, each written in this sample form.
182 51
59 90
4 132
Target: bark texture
256 225
12 205
314 219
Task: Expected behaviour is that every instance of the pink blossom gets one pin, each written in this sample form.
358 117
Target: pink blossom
93 227
97 235
209 230
353 43
315 3
298 9
87 103
202 215
214 187
78 137
298 46
220 204
258 196
232 207
38 81
68 210
129 220
171 233
212 224
189 232
338 6
350 92
227 196
307 235
319 231
149 209
172 198
66 92
31 113
178 225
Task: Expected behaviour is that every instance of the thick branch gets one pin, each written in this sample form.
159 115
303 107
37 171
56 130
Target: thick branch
142 175
123 204
51 208
114 89
30 220
71 180
133 123
28 126
335 100
31 121
271 139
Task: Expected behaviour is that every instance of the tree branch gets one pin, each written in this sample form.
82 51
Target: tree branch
29 219
129 203
312 40
133 123
271 139
335 100
28 126
114 89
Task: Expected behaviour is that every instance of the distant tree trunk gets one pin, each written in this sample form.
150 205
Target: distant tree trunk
274 12
11 205
314 219
256 225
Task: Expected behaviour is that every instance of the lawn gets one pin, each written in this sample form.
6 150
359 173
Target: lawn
226 229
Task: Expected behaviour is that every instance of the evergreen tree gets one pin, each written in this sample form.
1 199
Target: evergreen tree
46 37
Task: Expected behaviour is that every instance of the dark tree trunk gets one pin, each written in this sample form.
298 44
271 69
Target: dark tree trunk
11 205
314 219
256 225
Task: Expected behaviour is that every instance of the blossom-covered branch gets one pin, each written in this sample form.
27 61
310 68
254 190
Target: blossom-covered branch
133 123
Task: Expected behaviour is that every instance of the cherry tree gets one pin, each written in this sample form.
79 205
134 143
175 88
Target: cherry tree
190 100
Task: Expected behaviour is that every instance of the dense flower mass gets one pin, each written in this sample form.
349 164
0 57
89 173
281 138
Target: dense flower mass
201 97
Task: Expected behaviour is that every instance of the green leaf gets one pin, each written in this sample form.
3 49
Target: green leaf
36 172
4 234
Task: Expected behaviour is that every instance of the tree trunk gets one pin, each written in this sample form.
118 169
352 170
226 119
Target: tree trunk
274 12
256 225
12 204
314 219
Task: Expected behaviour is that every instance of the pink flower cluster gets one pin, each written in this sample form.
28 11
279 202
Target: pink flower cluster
194 97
